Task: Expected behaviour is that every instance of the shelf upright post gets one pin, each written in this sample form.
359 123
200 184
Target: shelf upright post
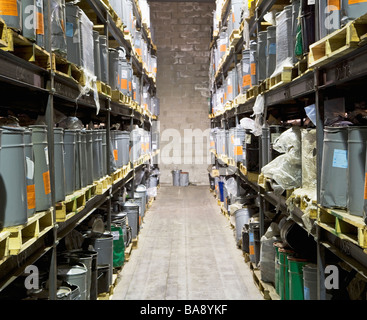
321 293
108 138
50 138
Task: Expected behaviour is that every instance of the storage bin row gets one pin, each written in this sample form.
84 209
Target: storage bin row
237 143
275 49
80 158
85 47
286 160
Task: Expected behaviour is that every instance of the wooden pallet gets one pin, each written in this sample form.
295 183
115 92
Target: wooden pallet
119 97
73 204
22 236
300 68
120 173
102 185
344 225
103 88
240 99
303 202
252 92
235 36
4 244
267 290
3 33
281 78
228 105
66 69
231 162
24 48
338 43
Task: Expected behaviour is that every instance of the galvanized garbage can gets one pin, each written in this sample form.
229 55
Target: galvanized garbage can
357 137
104 59
31 187
60 186
77 275
141 193
103 245
132 210
97 154
70 159
97 55
176 177
334 168
113 69
13 211
184 179
41 165
271 51
89 156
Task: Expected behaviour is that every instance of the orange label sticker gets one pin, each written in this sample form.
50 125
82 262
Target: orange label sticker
124 84
252 249
134 95
154 70
31 196
233 17
253 69
246 80
230 89
138 51
334 3
115 154
40 24
46 182
238 151
8 8
356 1
129 85
223 48
212 143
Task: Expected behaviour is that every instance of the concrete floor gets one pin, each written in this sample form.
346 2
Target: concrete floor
186 251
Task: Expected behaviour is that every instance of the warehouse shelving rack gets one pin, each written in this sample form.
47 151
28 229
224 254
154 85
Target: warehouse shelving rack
343 74
42 92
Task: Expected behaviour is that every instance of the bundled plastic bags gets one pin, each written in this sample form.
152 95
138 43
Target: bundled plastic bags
286 169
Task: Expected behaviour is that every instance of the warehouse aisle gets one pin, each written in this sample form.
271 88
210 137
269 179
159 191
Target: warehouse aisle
186 251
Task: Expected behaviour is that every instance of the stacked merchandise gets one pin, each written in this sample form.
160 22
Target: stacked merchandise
74 39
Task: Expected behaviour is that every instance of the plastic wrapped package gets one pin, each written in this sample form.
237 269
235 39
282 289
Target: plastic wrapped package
286 169
267 253
309 172
231 186
58 24
87 43
284 43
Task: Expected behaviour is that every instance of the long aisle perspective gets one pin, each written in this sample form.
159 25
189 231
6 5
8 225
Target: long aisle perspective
186 251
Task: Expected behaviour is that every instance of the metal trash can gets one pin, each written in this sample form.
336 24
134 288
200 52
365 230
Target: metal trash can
132 210
29 158
70 160
334 168
41 167
104 56
60 191
77 275
13 211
